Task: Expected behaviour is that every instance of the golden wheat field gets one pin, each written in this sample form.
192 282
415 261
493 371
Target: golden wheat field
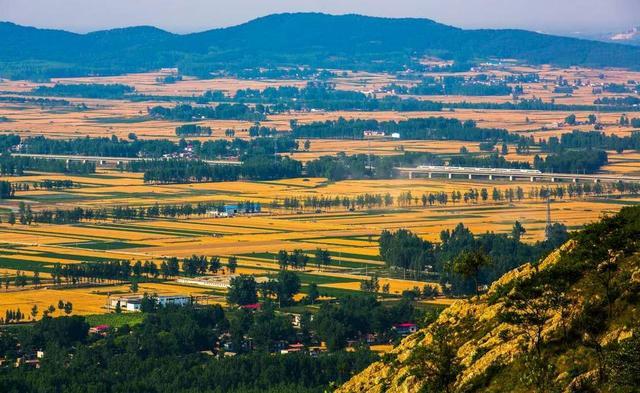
351 235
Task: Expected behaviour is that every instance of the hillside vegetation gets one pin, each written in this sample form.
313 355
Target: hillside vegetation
310 39
569 323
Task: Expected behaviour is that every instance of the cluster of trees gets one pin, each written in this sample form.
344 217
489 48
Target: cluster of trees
134 147
572 161
260 167
360 166
101 147
351 318
84 90
16 316
70 216
282 288
185 112
323 95
58 184
263 167
93 272
193 130
478 85
41 102
6 190
240 148
169 342
169 79
183 171
328 202
533 104
123 271
79 214
13 316
592 140
46 184
287 73
461 260
404 249
8 141
298 259
625 102
21 280
16 166
199 265
261 131
437 128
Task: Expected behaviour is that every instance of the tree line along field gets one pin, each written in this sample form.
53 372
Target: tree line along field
349 234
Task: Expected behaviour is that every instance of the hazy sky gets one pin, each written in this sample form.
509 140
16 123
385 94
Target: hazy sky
195 15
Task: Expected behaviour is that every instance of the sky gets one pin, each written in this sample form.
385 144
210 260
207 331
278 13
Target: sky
181 16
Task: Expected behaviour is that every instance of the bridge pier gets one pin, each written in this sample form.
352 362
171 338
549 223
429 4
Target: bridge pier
574 180
410 175
510 178
490 177
450 175
430 175
553 180
533 178
470 177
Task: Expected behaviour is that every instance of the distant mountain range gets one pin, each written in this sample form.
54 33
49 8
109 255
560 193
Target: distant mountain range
632 35
311 39
628 37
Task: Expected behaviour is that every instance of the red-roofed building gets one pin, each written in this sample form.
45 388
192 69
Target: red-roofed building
100 329
404 329
254 306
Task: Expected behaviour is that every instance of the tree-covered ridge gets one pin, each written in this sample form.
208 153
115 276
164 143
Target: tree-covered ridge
316 40
566 323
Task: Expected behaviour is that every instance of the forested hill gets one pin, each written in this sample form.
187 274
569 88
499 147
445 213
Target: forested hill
311 39
569 323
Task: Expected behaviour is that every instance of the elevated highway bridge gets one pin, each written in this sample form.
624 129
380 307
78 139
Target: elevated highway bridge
451 172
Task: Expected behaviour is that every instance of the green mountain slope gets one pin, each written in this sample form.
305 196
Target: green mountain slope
312 39
568 324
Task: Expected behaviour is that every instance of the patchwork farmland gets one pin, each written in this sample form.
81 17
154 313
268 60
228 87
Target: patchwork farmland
349 233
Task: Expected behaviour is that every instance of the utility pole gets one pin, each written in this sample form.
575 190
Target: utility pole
369 153
275 149
548 227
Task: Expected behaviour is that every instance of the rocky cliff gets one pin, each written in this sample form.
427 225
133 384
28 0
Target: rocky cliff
568 323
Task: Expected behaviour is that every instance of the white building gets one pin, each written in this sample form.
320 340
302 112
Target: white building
133 303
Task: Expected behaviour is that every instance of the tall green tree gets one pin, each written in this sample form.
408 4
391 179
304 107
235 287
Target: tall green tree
468 265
